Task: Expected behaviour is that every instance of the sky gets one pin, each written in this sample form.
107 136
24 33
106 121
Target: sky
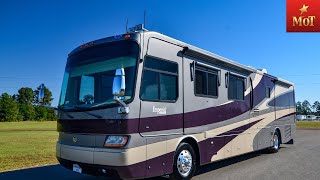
36 36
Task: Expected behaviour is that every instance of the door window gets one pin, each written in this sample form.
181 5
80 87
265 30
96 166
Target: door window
159 80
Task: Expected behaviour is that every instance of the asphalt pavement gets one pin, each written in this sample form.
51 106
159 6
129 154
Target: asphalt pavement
292 162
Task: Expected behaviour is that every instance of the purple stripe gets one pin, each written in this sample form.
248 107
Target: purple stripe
160 123
287 115
216 114
227 111
157 166
207 150
163 164
99 126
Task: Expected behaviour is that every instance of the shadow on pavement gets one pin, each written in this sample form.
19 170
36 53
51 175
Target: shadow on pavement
228 162
54 172
45 172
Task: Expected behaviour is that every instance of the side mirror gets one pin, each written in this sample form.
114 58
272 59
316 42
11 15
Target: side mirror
41 94
119 83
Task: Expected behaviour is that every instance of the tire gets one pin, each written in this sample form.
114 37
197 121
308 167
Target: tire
276 143
184 167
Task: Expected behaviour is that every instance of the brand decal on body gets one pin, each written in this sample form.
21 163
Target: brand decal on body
159 110
74 139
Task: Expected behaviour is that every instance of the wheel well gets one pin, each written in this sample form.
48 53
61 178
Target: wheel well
278 130
194 145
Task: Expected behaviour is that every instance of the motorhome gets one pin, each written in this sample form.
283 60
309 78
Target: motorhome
142 104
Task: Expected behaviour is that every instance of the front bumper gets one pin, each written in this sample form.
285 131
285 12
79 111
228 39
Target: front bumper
92 169
123 163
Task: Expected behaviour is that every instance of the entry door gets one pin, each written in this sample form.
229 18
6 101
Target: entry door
161 97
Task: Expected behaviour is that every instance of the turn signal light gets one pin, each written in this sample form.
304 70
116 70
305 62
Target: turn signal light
116 141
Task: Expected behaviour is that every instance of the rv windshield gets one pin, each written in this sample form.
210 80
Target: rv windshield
89 74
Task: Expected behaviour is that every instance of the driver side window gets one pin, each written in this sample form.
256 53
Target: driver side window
159 80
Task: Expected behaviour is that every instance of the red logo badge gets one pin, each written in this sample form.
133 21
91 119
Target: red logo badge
303 15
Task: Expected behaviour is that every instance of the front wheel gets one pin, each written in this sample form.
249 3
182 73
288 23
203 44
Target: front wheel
276 143
185 162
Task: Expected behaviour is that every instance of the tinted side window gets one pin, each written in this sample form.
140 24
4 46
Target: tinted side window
206 82
150 85
162 65
236 87
201 82
212 84
160 80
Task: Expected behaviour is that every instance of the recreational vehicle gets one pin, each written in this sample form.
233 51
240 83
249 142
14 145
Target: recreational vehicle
143 104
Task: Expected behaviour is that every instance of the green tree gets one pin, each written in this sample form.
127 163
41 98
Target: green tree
299 108
47 96
316 108
306 107
52 116
27 111
25 96
41 113
9 110
25 99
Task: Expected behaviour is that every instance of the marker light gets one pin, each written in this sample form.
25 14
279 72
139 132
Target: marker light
86 45
127 36
116 141
91 43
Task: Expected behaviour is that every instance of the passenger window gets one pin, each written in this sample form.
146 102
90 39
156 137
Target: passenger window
160 80
201 82
206 82
236 87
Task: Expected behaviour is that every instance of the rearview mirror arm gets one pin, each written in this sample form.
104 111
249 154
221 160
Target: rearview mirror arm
124 109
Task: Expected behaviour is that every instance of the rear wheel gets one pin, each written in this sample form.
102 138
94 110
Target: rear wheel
276 143
185 162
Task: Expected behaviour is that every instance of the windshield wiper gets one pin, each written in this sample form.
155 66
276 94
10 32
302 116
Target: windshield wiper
104 103
91 114
66 113
95 115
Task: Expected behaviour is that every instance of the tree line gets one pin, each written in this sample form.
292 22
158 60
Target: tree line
24 106
305 108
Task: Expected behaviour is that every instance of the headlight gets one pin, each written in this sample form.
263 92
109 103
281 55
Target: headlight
116 141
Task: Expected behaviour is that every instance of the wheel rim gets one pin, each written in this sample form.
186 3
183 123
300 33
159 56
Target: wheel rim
275 142
184 163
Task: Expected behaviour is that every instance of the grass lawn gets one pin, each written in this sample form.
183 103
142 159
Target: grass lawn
308 124
25 144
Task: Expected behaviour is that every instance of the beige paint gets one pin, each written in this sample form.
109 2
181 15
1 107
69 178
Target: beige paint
122 157
244 142
79 154
256 78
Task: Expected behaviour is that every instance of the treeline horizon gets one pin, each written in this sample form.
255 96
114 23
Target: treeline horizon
305 108
24 106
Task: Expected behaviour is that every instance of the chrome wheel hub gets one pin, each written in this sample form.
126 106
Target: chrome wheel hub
275 142
184 163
